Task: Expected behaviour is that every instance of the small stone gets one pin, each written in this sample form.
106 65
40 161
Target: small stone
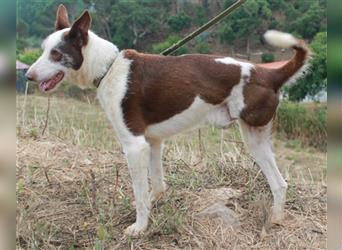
87 162
222 212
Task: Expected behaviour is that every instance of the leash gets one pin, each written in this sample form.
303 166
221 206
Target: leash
204 27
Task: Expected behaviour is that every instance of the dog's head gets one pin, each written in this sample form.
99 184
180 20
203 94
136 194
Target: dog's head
63 51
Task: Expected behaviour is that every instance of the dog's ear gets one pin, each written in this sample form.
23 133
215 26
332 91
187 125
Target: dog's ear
79 29
62 19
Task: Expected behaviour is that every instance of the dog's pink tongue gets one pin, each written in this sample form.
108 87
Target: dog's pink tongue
45 86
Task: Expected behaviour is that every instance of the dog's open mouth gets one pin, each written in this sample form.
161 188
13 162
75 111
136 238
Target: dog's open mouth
51 83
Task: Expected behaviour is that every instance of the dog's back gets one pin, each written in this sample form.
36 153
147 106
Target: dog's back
161 87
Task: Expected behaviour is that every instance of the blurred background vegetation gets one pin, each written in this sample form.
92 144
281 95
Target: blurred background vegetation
153 25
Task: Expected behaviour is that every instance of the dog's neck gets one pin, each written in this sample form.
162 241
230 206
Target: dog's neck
99 54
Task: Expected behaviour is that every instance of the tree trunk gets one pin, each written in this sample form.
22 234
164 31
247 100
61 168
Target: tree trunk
136 35
248 50
175 7
205 4
107 29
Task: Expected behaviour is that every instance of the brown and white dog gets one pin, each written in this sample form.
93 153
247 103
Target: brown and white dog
148 98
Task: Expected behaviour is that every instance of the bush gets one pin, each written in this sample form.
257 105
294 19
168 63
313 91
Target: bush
306 122
30 56
21 44
226 34
178 22
315 80
172 39
202 48
201 15
267 57
73 91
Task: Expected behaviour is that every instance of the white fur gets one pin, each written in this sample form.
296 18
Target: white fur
280 39
44 68
156 170
99 54
236 101
138 159
258 139
110 94
188 119
219 117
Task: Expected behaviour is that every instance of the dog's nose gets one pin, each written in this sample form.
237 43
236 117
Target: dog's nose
30 76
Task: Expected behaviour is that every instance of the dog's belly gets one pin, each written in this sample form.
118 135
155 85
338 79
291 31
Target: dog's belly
197 115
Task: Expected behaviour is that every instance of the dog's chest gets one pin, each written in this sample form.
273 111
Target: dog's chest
110 94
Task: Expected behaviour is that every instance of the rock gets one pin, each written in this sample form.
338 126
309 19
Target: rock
219 211
86 162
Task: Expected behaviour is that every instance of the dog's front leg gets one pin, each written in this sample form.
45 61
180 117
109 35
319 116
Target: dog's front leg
138 158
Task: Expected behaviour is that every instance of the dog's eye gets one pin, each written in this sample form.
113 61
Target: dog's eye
55 55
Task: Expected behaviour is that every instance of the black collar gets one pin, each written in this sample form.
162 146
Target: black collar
97 80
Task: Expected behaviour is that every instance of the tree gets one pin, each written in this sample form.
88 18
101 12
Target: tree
132 21
40 15
101 16
308 23
315 80
178 22
246 22
172 39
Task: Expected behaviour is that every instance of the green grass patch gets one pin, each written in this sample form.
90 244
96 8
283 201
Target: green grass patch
304 123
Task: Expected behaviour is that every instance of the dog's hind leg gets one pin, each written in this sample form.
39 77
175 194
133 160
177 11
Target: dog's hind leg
259 143
156 170
138 157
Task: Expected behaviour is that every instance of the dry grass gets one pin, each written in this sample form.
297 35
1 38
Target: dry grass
74 191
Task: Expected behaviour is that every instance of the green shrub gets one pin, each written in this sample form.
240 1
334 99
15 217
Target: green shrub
73 91
226 33
172 39
201 15
179 22
315 80
21 44
30 56
202 48
267 57
306 122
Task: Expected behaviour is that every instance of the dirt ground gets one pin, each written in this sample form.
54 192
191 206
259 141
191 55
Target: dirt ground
74 191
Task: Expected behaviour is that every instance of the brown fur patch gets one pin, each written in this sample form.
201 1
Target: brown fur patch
71 52
260 98
55 55
163 86
62 19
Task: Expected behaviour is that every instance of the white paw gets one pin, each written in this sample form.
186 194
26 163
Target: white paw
135 230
